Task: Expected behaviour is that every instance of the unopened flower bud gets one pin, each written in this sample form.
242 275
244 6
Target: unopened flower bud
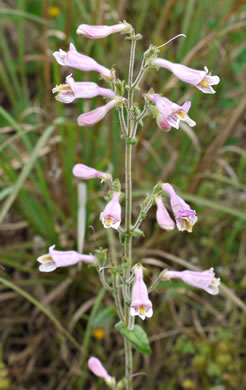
97 32
163 218
97 368
92 117
84 172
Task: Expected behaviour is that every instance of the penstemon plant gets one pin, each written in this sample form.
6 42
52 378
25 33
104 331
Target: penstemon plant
126 279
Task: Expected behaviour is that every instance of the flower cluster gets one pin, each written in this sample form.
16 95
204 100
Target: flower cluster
184 216
168 114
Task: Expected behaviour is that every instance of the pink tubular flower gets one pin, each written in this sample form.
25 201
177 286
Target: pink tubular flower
140 305
97 32
84 172
199 78
111 215
55 259
171 112
72 90
92 117
184 216
97 368
162 216
205 280
74 59
162 122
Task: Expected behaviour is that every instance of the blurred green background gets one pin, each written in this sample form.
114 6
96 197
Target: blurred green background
198 341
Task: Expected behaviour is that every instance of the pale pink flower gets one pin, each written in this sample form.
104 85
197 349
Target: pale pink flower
205 280
97 32
97 368
92 117
163 218
111 215
84 172
140 305
185 217
76 60
162 122
171 112
55 259
72 90
199 78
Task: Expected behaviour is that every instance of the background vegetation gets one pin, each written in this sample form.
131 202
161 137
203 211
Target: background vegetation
51 323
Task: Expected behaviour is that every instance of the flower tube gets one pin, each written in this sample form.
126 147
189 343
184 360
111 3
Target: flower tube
172 112
205 280
111 216
55 259
92 117
97 368
185 217
199 78
163 218
84 172
140 305
72 90
97 32
76 60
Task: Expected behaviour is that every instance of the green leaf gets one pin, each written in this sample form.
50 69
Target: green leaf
136 336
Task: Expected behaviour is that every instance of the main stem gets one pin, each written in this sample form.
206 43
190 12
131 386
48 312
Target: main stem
128 210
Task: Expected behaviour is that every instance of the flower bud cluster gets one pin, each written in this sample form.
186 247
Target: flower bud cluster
184 216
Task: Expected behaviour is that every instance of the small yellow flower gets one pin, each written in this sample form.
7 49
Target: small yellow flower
54 11
99 333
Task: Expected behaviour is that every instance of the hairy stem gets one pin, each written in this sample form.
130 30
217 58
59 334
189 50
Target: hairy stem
140 74
122 120
128 209
117 298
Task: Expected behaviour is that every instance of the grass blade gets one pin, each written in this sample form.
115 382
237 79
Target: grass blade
27 169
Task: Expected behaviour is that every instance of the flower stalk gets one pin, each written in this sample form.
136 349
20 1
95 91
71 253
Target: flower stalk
128 206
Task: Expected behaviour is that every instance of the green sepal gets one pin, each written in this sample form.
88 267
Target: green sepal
137 233
133 37
130 141
122 384
119 84
101 256
116 187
